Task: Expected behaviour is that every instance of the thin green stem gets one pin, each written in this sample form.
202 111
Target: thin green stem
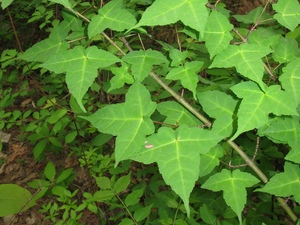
126 208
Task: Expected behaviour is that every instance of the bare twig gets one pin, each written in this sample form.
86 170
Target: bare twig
253 158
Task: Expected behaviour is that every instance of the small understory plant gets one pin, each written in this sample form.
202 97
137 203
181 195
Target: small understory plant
187 91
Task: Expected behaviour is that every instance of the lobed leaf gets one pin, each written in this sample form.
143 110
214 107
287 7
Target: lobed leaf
284 184
187 74
43 50
246 58
209 160
217 33
256 105
5 3
192 13
177 115
112 16
142 62
286 50
128 121
233 184
177 154
290 80
81 66
177 56
286 131
222 107
121 77
288 13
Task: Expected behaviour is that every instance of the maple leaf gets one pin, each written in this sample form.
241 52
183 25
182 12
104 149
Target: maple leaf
257 105
112 16
246 58
285 130
222 107
288 13
177 154
192 13
128 121
81 66
284 184
290 80
233 184
142 62
187 74
177 115
217 33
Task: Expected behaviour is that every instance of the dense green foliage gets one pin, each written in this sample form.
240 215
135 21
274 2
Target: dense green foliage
188 110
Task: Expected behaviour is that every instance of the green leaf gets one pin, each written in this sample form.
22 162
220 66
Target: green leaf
207 214
56 116
222 107
105 195
177 115
126 221
64 175
70 137
256 105
264 36
290 80
128 121
134 197
141 213
187 74
286 131
177 56
256 15
286 50
55 141
233 184
50 171
39 149
103 182
217 33
121 77
192 13
177 154
111 16
65 3
209 160
14 198
142 62
5 3
43 50
288 13
246 58
81 66
284 184
122 183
